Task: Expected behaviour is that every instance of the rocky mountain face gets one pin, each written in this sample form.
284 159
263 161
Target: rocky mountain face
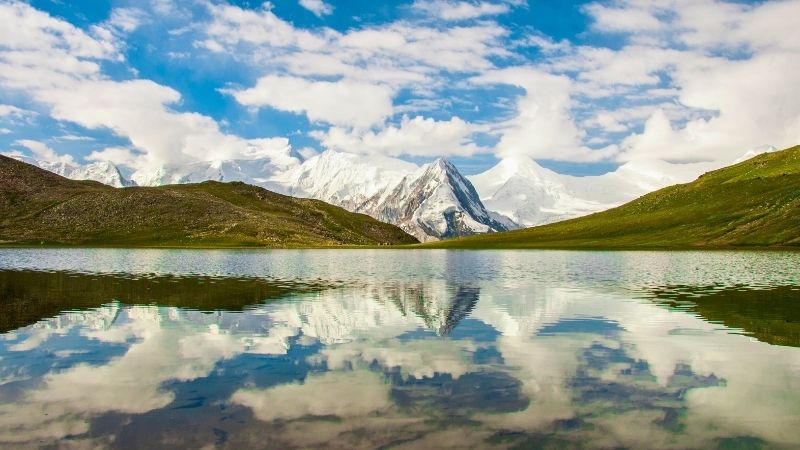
430 202
434 202
343 179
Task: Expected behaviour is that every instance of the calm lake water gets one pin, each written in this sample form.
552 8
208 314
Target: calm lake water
399 349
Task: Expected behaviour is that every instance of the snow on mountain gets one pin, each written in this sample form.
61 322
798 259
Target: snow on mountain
530 194
100 171
343 179
434 202
257 172
430 202
251 171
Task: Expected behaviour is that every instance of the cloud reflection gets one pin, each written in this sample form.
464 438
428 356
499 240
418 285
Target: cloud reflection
395 363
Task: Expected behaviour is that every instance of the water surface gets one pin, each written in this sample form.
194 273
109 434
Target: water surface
399 349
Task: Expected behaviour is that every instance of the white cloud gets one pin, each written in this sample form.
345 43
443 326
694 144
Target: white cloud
459 10
318 7
403 48
690 79
543 126
382 59
728 85
41 151
232 25
126 19
694 81
74 137
117 155
416 136
341 394
14 111
753 108
341 102
623 19
56 65
37 31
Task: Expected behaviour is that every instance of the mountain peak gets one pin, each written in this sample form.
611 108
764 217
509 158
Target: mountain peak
441 166
521 165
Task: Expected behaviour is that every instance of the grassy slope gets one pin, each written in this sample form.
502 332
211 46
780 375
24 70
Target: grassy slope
755 203
37 207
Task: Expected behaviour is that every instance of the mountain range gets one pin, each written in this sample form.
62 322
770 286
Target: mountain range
40 207
431 202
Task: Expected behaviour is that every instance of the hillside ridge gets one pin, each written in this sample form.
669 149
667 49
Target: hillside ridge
755 203
40 207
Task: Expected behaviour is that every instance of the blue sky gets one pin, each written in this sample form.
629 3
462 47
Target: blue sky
581 87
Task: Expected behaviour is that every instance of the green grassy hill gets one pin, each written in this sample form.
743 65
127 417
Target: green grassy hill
40 207
755 203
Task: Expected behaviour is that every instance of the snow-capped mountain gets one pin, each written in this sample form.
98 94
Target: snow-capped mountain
434 202
530 194
101 171
255 171
343 179
430 202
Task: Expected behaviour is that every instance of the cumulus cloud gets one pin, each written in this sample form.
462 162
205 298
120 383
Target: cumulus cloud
686 80
341 394
730 79
341 102
418 136
41 151
117 155
318 7
370 65
459 10
693 81
543 126
58 66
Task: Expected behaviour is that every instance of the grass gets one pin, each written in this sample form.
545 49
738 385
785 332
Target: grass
40 208
753 204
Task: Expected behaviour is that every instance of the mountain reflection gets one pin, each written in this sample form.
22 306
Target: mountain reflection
165 362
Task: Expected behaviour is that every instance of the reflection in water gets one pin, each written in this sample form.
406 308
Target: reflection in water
29 296
466 358
768 314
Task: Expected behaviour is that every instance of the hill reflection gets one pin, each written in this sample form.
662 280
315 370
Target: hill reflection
29 296
770 315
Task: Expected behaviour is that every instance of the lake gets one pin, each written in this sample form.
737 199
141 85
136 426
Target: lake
115 348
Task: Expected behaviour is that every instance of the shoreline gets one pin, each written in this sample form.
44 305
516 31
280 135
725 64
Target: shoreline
413 247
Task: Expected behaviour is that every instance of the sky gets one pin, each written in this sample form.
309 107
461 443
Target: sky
581 87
